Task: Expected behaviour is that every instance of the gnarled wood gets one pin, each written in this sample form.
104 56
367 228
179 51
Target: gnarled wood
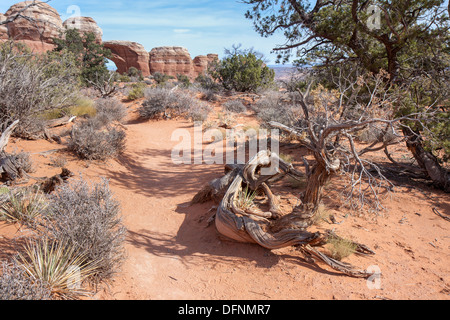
263 228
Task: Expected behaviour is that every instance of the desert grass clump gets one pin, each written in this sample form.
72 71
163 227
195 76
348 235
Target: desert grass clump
16 284
340 248
234 106
322 214
245 198
90 143
82 106
23 205
58 264
88 219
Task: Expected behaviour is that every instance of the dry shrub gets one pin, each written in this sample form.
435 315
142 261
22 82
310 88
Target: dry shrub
87 218
31 85
90 143
16 284
276 106
165 103
109 110
235 106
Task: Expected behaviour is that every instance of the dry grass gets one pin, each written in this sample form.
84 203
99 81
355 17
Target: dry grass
340 248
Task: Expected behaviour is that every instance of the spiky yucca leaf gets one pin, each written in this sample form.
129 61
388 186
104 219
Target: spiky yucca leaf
245 198
57 264
23 205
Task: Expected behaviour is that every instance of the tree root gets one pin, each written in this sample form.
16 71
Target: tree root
271 229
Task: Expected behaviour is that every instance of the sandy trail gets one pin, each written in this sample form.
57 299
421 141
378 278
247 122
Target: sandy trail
173 254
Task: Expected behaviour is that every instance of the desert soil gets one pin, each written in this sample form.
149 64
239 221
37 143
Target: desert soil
172 252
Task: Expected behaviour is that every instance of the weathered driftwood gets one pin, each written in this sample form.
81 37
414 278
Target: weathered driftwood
271 229
8 167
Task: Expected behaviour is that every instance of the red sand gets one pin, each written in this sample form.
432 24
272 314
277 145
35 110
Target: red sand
172 254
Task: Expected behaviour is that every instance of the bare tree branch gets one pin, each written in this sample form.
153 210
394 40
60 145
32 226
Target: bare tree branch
19 14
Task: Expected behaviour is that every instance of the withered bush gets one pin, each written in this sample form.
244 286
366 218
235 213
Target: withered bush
91 143
16 284
110 110
88 219
31 85
165 103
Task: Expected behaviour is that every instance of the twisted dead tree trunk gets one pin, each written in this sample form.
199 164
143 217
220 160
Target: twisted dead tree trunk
269 227
328 130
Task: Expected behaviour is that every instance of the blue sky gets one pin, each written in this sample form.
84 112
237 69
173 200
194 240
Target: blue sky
201 26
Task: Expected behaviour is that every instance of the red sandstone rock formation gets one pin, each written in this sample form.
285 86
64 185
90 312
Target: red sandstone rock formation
177 60
37 33
200 63
45 24
127 54
3 28
85 24
171 61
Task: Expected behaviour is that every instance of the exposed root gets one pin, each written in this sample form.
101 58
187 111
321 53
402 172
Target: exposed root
272 229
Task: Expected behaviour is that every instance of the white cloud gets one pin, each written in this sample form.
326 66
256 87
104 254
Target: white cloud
181 30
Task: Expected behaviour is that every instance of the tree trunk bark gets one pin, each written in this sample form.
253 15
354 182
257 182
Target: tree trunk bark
427 161
302 217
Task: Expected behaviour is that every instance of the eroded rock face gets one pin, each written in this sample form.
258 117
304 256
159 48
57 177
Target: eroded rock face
85 24
3 28
171 61
37 34
46 24
200 63
177 60
127 54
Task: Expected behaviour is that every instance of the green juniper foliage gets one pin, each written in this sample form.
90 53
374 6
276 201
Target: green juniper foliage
242 70
91 57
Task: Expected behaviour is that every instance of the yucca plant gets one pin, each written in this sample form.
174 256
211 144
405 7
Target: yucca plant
59 265
245 198
22 206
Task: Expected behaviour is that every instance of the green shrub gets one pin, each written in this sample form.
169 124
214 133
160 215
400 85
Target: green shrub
137 91
161 78
207 82
242 71
123 78
91 57
184 80
135 74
